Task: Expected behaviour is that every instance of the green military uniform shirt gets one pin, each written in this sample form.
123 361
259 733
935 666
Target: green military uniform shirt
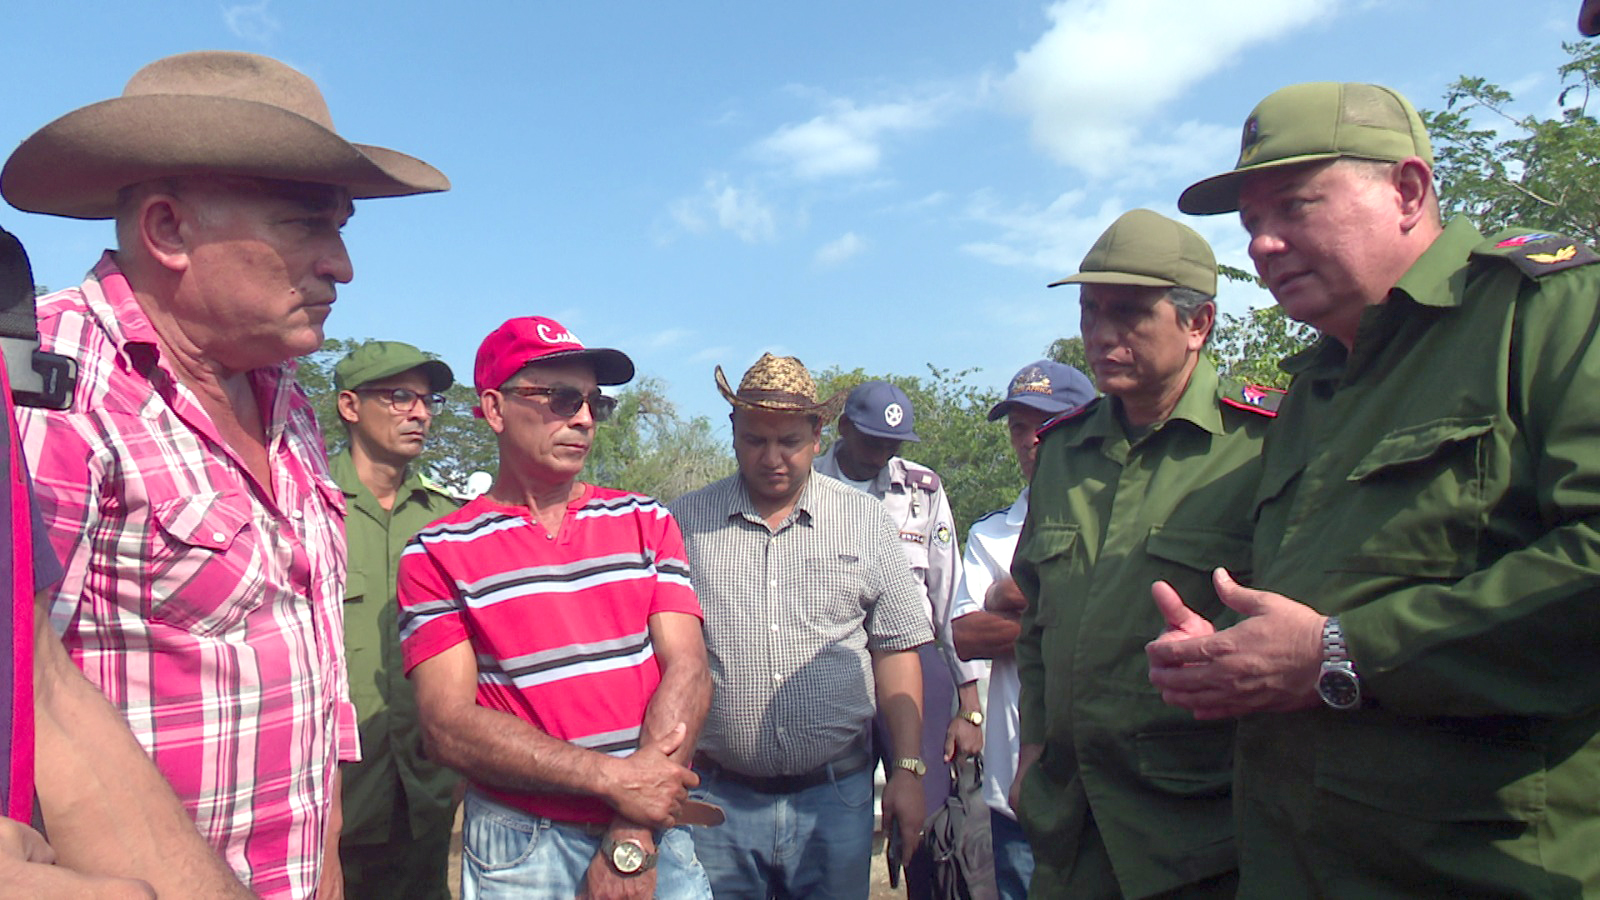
1107 517
391 735
1438 488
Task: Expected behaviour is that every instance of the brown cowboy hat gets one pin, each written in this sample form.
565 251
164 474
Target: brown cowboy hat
780 384
212 112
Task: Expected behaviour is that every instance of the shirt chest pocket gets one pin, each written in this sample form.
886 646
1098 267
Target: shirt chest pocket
200 572
1186 556
1422 499
1048 552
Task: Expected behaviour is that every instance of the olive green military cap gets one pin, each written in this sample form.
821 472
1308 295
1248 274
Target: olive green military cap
1589 18
380 359
1313 122
1150 250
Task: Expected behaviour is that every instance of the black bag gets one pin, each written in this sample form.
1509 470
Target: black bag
958 839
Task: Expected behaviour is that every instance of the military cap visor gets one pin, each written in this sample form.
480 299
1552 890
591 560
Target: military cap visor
1143 248
1589 18
1310 123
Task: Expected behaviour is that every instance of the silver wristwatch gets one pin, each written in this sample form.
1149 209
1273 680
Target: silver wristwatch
1337 684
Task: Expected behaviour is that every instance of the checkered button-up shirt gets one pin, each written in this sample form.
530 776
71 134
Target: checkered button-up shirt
206 608
791 617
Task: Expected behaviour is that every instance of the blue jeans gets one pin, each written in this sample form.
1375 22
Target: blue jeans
508 853
811 843
1013 858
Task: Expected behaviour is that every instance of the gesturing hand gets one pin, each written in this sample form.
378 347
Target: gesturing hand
1266 663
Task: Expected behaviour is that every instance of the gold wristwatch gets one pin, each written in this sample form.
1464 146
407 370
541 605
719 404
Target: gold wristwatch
973 716
911 764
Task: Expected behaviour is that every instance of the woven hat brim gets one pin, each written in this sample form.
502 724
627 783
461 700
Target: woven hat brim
828 409
76 165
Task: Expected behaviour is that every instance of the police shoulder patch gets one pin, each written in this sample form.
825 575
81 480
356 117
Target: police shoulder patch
1257 398
1054 422
922 478
1537 253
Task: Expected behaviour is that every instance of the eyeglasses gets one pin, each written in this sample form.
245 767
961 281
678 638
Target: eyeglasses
402 400
566 401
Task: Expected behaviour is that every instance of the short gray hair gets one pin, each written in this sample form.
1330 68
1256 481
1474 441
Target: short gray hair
1188 301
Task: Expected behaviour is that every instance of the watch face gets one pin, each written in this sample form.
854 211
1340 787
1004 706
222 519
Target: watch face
627 857
1339 688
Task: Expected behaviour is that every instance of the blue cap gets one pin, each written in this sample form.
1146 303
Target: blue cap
880 409
1048 386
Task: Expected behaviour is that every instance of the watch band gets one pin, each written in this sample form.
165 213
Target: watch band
972 715
912 764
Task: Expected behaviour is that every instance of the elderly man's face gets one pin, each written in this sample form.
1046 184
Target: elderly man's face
1134 339
1323 238
264 263
774 451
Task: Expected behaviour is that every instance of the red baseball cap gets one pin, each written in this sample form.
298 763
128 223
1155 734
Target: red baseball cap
536 339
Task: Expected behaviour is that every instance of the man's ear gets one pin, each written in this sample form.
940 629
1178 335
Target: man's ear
494 412
347 406
1413 182
166 230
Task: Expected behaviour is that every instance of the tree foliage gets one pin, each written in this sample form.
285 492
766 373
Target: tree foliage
1499 167
1249 347
971 454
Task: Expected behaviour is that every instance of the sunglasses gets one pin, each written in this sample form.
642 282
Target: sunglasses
402 400
566 401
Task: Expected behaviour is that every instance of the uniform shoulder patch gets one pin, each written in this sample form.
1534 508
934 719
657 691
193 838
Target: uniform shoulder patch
1054 422
922 478
1537 253
1257 398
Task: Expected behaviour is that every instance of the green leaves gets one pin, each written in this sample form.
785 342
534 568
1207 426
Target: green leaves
1499 167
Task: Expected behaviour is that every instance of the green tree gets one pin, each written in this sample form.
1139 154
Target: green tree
647 447
1069 351
1499 167
971 454
1249 347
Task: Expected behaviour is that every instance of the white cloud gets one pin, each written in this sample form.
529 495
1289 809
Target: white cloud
840 249
1106 67
1052 239
722 205
660 340
847 139
251 21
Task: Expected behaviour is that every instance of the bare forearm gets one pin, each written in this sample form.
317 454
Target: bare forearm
500 750
967 698
985 635
684 695
108 809
899 687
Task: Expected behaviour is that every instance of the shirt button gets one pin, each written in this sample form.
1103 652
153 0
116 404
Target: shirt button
774 626
776 677
297 514
217 535
773 583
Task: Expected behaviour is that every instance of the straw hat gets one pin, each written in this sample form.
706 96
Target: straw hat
779 384
207 112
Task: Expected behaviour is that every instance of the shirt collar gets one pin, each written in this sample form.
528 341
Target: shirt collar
740 504
1431 280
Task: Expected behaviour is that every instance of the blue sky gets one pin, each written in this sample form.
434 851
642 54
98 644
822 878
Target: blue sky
880 184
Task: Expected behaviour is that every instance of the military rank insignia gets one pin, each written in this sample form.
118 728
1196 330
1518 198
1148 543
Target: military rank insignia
942 534
1541 253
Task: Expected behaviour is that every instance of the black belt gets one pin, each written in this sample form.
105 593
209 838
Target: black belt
852 762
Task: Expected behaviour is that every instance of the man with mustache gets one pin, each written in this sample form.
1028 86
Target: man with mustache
1119 794
399 806
186 489
554 639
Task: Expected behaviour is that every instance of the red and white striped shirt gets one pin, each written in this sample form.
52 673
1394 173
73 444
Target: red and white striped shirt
560 625
207 610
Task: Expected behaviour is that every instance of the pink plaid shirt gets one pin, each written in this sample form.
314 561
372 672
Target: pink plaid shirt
209 612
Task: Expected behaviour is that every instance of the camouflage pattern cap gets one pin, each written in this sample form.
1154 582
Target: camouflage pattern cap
1148 249
1313 122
